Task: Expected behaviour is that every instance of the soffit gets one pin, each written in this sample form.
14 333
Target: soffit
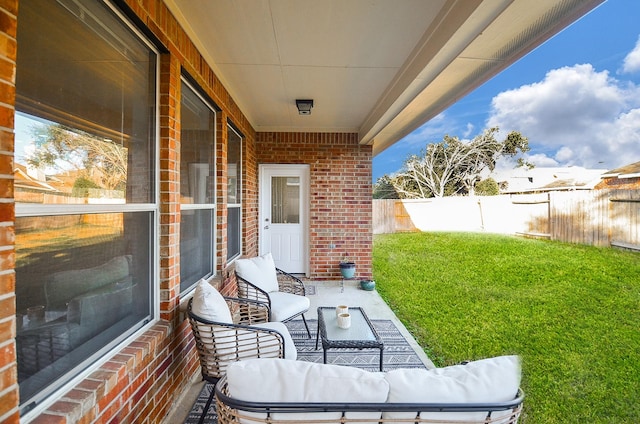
377 67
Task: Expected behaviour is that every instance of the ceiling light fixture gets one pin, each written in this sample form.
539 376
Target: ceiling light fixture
304 106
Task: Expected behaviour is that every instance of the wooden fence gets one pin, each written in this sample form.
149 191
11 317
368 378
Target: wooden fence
593 217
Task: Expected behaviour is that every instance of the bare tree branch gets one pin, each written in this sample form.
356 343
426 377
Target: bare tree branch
102 161
453 167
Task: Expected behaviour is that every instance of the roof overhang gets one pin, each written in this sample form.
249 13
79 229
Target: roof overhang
378 68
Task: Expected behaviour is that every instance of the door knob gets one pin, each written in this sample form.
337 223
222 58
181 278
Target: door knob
266 227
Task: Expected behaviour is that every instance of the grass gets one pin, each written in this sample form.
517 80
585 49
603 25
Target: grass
571 312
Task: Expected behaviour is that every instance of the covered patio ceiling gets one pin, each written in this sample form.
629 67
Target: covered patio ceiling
380 68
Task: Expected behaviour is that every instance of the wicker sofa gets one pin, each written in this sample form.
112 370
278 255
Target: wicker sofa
277 390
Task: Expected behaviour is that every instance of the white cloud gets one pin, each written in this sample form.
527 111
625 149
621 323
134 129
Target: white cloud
469 130
543 161
392 159
632 60
575 116
430 132
540 160
565 154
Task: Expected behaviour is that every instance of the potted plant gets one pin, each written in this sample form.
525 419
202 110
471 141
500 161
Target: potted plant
347 267
367 285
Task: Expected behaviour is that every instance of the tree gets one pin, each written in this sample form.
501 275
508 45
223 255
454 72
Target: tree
453 166
488 187
103 162
81 187
383 188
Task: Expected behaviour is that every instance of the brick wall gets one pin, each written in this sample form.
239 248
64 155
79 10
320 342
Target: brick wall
340 195
140 382
8 369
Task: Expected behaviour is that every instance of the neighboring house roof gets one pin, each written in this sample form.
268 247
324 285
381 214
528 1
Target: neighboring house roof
624 178
24 179
571 184
378 68
628 171
522 180
35 180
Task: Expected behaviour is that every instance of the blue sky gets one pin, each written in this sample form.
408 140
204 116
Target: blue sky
576 97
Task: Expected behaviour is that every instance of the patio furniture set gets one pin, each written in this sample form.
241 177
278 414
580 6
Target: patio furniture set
246 350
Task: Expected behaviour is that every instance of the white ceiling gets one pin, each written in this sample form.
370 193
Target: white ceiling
380 68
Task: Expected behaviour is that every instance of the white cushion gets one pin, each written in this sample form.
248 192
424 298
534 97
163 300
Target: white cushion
290 351
277 380
484 381
259 271
286 305
209 304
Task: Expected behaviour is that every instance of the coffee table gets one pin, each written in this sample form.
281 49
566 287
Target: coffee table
361 334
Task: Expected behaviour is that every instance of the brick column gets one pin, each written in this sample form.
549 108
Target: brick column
9 394
221 149
169 245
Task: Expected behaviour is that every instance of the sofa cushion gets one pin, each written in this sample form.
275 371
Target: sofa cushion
209 304
259 271
484 381
65 285
278 380
285 305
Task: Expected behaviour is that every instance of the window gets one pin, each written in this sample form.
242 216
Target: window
85 189
285 200
197 188
234 194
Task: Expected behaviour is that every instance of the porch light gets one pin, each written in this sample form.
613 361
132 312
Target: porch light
304 106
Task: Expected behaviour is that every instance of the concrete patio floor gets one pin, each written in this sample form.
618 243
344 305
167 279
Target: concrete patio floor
327 293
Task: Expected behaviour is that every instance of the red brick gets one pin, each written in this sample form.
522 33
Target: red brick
47 418
6 114
7 214
7 284
6 161
8 401
7 307
7 138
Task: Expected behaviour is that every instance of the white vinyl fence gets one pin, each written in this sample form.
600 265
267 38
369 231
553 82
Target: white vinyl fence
594 217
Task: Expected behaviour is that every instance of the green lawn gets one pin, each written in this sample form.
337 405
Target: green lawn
571 312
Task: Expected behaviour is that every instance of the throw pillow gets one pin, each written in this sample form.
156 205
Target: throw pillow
209 304
259 271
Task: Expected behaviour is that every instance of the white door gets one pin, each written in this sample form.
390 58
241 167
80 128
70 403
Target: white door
284 211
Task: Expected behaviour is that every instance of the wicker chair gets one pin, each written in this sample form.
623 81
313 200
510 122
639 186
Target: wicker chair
250 336
285 304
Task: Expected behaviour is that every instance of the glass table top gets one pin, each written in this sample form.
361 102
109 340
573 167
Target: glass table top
359 329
